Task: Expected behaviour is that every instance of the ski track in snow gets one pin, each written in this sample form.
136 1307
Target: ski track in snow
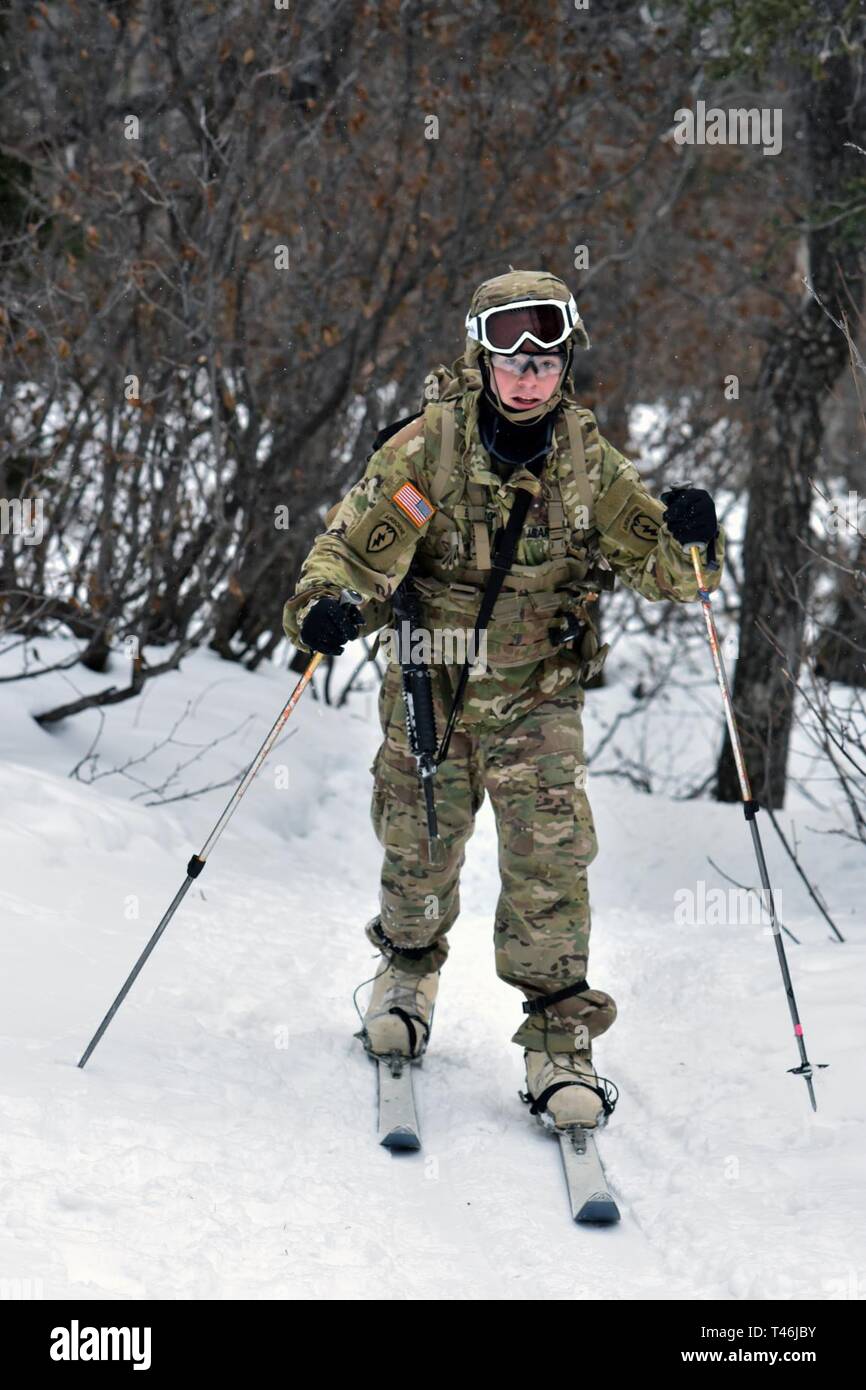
221 1141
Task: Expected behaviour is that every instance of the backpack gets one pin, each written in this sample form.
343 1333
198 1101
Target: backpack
442 384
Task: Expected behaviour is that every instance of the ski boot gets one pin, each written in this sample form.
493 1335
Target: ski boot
400 1013
563 1089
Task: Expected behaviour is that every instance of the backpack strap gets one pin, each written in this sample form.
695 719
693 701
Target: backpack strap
446 452
578 460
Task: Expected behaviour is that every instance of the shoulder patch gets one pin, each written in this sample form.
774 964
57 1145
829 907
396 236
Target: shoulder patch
413 503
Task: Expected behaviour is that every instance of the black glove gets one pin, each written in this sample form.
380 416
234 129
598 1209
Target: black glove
329 624
690 515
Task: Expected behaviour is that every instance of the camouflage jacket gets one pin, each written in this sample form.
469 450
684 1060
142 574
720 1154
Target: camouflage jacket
590 519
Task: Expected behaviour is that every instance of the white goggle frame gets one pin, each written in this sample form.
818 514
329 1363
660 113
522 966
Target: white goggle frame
476 324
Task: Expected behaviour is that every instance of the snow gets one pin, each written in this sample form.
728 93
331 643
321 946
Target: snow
221 1141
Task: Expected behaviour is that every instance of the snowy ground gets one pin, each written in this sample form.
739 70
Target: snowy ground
221 1142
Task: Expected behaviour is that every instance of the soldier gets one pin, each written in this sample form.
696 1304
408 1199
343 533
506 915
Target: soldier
434 495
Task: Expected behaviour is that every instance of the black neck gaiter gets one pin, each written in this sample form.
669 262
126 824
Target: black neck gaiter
512 446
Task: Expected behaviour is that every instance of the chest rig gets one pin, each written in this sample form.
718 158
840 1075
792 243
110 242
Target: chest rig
482 516
538 600
475 509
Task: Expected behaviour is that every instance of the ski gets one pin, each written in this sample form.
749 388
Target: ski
588 1192
398 1121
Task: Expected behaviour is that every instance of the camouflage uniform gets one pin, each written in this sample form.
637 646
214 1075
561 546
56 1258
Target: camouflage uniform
519 736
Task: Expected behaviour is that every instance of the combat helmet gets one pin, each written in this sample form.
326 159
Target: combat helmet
509 308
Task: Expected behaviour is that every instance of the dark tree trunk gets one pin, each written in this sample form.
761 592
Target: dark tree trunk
801 365
840 653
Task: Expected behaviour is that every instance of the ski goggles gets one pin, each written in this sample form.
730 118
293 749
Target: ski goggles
520 362
546 322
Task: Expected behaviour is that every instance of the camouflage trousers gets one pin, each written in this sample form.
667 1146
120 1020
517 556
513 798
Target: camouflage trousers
533 768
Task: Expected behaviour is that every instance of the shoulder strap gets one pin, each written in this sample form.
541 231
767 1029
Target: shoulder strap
446 451
578 459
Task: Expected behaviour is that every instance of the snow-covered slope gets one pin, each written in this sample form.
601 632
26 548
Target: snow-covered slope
221 1141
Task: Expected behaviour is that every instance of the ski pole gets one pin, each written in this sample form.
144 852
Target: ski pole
197 862
750 808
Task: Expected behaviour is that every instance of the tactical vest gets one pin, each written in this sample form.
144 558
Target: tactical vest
535 598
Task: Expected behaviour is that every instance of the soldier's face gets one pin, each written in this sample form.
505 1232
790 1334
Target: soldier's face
529 389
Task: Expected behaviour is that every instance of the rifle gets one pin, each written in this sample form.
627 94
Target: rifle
418 707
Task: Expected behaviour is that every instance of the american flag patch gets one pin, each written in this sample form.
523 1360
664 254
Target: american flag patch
413 503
